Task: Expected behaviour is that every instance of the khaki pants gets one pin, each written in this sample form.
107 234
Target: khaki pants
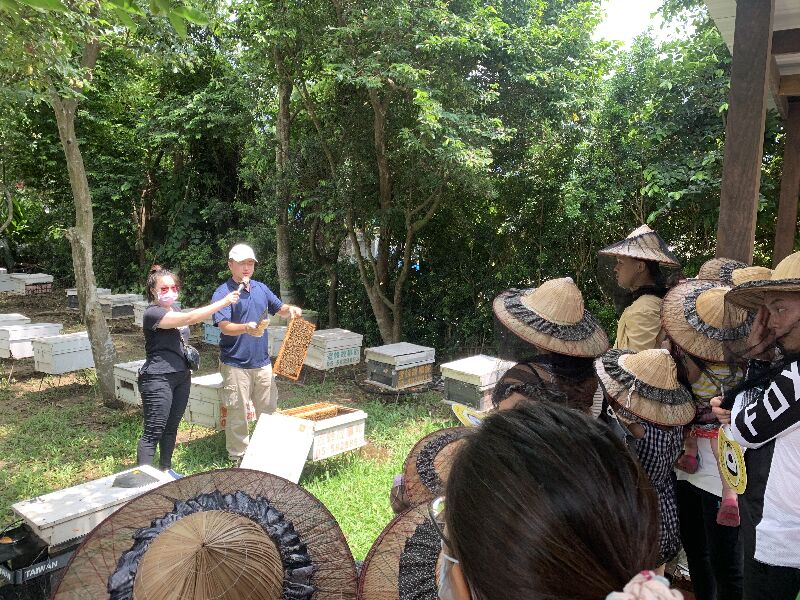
240 388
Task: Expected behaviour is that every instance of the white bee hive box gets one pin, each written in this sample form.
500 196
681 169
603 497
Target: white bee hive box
331 348
16 340
126 382
62 353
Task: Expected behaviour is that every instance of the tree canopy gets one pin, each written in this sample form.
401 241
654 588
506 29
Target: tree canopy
395 165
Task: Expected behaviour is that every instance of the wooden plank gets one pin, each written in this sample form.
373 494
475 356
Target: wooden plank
786 41
774 81
744 131
786 223
279 445
789 85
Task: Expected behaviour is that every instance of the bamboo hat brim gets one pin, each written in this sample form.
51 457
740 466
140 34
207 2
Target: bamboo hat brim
427 465
643 244
784 278
693 316
305 530
402 563
552 317
645 384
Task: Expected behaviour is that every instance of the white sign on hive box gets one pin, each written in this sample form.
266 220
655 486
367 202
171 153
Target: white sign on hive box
59 354
331 348
73 512
471 380
16 341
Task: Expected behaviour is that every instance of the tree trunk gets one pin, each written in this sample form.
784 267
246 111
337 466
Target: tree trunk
80 238
333 296
283 251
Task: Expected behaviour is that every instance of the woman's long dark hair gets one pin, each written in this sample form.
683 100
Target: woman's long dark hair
545 503
153 274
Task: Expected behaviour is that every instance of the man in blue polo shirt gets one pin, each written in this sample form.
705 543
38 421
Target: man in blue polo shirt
244 360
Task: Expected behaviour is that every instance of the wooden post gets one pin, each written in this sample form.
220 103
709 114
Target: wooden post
744 132
786 224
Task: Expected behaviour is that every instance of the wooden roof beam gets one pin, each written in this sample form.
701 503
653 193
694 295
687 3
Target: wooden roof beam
786 41
774 81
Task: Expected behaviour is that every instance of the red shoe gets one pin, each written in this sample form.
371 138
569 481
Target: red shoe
728 513
687 463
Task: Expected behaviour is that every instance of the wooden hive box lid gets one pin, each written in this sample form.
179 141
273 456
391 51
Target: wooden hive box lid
13 319
336 338
68 342
29 331
33 277
70 503
133 365
401 354
480 370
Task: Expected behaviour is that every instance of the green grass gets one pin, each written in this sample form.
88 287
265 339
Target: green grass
61 436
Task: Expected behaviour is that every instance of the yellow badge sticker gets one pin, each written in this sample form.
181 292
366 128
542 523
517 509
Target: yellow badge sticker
731 461
468 416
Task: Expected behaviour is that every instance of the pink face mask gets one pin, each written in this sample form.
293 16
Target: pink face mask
167 298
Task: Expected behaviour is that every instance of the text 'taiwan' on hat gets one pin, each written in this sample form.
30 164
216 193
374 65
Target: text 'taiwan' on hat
242 252
551 317
693 315
427 466
223 535
645 384
720 269
402 563
784 278
643 244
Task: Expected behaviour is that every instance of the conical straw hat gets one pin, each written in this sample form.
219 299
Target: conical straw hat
719 269
643 244
557 300
212 555
646 385
740 276
784 278
402 563
427 465
201 532
552 317
693 315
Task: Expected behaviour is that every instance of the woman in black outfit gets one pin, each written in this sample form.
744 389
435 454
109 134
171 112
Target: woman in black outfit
165 377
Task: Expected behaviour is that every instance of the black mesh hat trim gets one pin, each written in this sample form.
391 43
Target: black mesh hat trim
297 566
570 333
727 269
416 578
425 465
711 332
610 359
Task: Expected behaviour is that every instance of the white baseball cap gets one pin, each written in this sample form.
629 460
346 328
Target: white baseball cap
242 252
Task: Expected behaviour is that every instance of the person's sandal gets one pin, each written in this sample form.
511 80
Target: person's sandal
687 463
728 513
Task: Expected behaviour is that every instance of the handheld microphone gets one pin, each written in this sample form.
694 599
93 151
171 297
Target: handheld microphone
245 281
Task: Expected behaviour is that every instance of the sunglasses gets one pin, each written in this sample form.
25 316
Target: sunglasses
165 288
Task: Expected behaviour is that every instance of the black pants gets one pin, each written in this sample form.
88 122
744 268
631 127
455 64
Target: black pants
768 582
714 551
164 399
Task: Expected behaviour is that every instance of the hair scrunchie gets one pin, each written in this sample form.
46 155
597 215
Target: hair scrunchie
646 586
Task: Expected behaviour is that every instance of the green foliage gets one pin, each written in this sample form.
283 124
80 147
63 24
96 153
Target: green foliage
540 144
